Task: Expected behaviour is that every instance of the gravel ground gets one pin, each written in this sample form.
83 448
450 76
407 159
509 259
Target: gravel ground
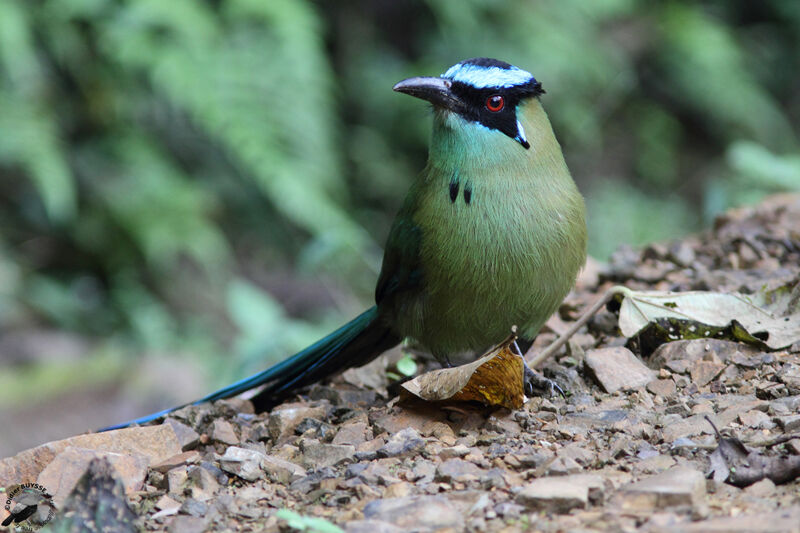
627 449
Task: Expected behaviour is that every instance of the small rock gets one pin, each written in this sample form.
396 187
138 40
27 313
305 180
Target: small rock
399 419
618 368
687 427
184 458
704 372
187 524
353 433
757 419
372 526
563 466
761 489
194 507
554 494
285 418
319 455
417 513
423 472
165 503
187 437
63 473
156 443
662 387
405 442
280 470
242 462
789 423
779 521
457 470
680 489
176 480
202 483
222 431
441 431
398 490
459 450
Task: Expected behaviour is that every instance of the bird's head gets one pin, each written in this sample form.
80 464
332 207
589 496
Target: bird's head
483 92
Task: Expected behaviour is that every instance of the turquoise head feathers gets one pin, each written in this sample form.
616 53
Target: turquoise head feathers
482 90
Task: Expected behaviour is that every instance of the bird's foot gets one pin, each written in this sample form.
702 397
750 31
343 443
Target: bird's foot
538 385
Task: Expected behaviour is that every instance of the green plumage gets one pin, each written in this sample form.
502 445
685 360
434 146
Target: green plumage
508 257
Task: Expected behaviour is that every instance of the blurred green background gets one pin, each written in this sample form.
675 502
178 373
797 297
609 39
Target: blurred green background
191 189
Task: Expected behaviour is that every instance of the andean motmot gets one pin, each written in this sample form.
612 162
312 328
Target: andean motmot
491 234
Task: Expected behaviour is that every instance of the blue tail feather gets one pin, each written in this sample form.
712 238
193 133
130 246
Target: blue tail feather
356 343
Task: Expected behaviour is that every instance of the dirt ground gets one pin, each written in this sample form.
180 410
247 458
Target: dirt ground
628 448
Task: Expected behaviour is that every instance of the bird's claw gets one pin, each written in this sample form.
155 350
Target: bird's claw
538 385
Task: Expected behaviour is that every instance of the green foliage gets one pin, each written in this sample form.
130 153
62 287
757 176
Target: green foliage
312 524
407 366
164 164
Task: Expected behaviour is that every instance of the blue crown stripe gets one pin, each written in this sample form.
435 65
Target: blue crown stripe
482 77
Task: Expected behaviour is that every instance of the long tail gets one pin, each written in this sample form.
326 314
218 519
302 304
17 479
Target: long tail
356 343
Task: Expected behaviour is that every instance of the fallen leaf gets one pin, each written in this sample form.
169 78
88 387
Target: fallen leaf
497 378
770 319
734 464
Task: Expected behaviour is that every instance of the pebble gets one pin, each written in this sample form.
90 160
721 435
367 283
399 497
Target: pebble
405 442
618 368
679 489
417 513
554 495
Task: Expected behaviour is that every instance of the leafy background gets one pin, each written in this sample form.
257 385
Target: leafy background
190 189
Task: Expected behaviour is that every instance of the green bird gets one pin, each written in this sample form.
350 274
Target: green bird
491 234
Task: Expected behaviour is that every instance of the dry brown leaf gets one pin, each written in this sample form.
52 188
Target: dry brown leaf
497 378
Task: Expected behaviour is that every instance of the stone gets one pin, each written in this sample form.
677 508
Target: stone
562 466
194 507
779 521
405 442
183 458
242 462
687 427
286 417
662 387
416 513
617 368
398 490
400 418
177 479
457 470
187 437
165 503
554 494
202 483
187 524
679 489
789 423
64 471
459 450
155 443
222 431
372 526
318 455
354 433
757 420
282 471
761 489
704 372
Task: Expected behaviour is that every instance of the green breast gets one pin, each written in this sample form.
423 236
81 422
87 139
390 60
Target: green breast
502 236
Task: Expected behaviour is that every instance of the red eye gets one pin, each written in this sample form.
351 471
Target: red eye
495 103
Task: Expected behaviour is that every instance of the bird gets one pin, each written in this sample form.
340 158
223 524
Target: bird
492 233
